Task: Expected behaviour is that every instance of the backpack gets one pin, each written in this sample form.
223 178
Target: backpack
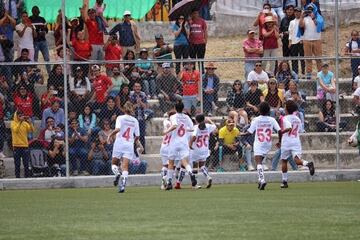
38 163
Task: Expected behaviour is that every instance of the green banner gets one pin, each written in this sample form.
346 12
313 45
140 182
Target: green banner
114 8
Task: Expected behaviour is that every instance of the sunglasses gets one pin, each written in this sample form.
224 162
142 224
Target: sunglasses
272 83
237 84
257 65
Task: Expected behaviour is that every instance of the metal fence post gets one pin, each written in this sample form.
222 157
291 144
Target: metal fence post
201 64
337 85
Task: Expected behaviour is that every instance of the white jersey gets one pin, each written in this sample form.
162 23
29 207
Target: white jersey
129 129
164 150
263 127
201 144
291 139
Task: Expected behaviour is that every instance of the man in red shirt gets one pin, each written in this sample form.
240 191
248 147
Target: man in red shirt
101 87
113 52
96 36
190 80
198 35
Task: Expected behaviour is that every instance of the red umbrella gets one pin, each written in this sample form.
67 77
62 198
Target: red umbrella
185 7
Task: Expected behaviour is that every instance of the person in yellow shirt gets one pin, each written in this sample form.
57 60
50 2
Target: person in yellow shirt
20 127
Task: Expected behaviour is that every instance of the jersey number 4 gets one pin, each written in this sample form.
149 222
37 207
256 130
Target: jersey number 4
126 134
264 135
294 131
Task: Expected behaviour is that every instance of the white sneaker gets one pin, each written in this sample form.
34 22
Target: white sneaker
214 106
251 168
266 168
2 155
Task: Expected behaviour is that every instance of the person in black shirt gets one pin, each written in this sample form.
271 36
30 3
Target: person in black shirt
110 111
253 98
236 103
284 29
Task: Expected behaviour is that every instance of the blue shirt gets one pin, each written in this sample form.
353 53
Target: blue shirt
59 117
144 65
210 83
181 38
8 31
326 79
126 37
77 143
139 111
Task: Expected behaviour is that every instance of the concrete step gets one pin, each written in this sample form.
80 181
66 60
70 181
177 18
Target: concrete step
309 141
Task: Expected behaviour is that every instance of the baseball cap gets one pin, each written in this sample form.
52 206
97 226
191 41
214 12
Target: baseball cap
59 136
297 9
158 36
359 67
95 68
250 31
165 65
325 65
78 69
127 12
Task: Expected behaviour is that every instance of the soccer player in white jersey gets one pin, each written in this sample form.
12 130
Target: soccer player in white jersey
199 144
181 125
290 142
263 127
127 133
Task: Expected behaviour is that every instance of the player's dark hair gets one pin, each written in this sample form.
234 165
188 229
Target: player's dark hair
179 107
200 119
291 106
264 109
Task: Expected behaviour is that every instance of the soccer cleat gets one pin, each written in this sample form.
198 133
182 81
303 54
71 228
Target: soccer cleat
122 185
169 185
196 187
116 181
193 180
177 185
209 183
262 186
311 168
284 184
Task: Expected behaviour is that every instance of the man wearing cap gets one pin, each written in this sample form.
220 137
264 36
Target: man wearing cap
102 86
198 35
252 48
96 36
284 29
129 37
295 42
210 88
162 50
147 73
113 52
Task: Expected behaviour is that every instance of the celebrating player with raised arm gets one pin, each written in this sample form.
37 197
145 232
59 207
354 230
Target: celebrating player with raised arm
290 142
127 133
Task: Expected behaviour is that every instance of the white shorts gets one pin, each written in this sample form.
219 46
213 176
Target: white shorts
198 156
120 153
261 151
286 153
180 152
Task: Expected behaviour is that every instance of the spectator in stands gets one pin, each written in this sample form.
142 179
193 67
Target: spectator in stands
270 34
14 8
113 52
80 89
295 95
181 31
7 28
48 132
253 98
210 86
356 83
56 79
129 37
118 79
87 119
147 74
198 36
104 133
78 148
58 31
49 97
162 50
190 79
72 113
276 7
260 19
327 118
236 104
26 32
2 125
123 96
24 101
275 98
295 42
169 87
56 155
258 75
40 42
142 111
99 158
356 101
326 88
109 111
253 48
294 3
285 75
82 50
18 70
284 29
101 85
315 2
352 48
96 36
136 165
128 67
312 23
21 127
100 19
54 111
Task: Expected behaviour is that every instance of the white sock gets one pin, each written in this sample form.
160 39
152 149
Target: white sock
305 163
125 174
285 176
205 171
260 171
115 169
164 171
182 173
170 174
189 169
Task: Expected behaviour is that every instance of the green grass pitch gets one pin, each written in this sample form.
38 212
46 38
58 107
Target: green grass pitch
304 211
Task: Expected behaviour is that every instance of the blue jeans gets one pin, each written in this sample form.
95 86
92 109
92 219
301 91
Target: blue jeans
138 169
78 153
22 153
208 100
249 66
247 155
149 86
276 159
43 47
279 12
101 167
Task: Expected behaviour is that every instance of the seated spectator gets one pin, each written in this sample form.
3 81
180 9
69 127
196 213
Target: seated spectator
24 101
78 148
80 89
258 75
2 126
134 77
109 111
56 79
54 111
210 87
213 160
247 142
118 79
4 89
81 50
190 79
129 56
327 118
49 97
113 52
275 98
169 88
137 166
147 74
87 119
99 158
59 57
18 70
27 33
47 133
104 133
236 104
356 83
285 75
56 156
72 113
356 101
122 97
101 85
326 88
253 98
295 95
28 78
162 50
